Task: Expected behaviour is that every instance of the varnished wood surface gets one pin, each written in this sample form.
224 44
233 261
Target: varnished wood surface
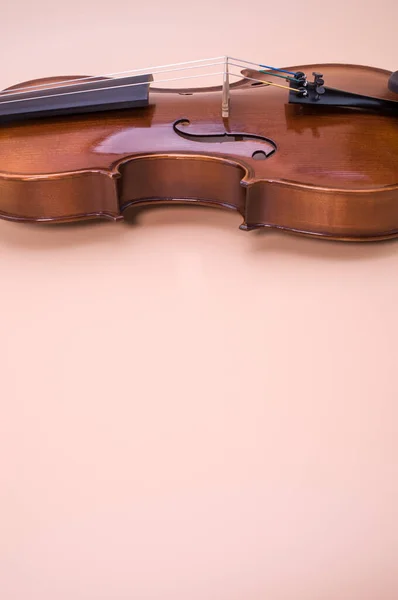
331 174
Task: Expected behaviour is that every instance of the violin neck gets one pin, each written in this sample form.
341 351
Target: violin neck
74 99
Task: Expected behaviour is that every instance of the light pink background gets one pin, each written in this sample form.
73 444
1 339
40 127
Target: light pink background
188 411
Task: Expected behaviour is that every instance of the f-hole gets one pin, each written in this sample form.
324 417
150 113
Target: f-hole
264 146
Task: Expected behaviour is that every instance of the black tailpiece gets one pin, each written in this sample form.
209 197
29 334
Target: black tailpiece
393 82
315 93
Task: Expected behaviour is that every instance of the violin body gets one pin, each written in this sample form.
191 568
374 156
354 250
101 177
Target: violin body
327 172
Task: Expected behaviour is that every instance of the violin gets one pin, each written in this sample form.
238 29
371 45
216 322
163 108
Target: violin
310 149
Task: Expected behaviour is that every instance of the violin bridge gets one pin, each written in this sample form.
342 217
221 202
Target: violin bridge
226 101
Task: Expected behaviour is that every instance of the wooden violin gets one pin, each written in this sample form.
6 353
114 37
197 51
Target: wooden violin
310 149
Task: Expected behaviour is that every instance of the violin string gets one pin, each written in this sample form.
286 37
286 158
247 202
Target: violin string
271 83
70 82
194 64
248 62
113 87
278 75
246 77
56 95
